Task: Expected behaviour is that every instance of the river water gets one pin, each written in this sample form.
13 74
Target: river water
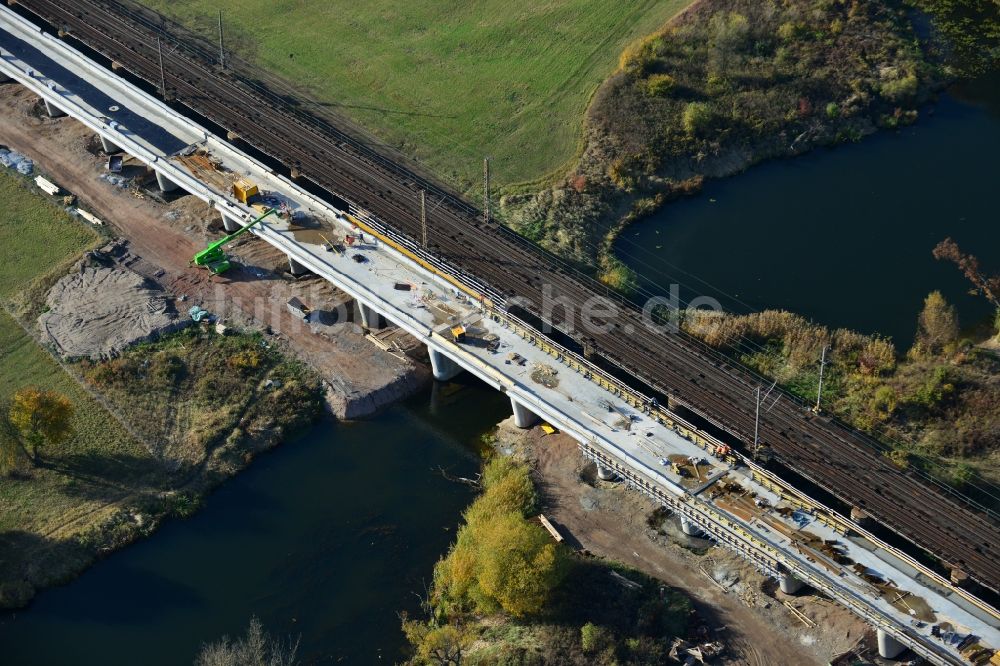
842 235
327 538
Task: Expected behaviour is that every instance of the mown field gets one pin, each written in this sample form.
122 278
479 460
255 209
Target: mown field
99 465
446 82
34 234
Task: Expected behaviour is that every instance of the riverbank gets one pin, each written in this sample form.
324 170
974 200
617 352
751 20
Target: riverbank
725 85
740 607
326 537
598 602
182 417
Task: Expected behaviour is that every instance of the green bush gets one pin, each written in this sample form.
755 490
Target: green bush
659 85
698 118
594 638
903 88
640 56
832 111
790 31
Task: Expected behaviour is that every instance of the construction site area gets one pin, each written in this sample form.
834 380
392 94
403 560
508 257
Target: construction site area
367 370
285 265
150 286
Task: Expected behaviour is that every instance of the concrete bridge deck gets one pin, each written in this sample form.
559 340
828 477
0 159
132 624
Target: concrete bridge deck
741 506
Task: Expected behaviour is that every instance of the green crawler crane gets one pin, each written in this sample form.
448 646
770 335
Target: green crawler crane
213 258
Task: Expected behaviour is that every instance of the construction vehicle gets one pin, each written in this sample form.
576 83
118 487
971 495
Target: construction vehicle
245 191
213 257
458 333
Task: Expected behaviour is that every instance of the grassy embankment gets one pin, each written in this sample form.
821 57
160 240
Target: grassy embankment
110 484
446 82
507 593
936 408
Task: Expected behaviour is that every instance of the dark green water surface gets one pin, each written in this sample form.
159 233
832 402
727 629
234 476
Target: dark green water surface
327 537
843 235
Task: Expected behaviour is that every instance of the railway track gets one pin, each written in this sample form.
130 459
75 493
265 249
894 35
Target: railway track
834 457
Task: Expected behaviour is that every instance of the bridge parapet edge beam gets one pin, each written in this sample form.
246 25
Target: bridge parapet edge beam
523 417
442 366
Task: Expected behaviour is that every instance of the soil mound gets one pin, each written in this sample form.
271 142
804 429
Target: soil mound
98 311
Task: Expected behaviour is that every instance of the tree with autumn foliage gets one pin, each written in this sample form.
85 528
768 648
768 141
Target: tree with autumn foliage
937 327
500 561
41 417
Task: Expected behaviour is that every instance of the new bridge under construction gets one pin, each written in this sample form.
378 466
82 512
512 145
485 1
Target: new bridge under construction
677 384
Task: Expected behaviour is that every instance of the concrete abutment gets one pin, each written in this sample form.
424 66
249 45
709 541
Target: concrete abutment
789 584
166 185
230 224
606 473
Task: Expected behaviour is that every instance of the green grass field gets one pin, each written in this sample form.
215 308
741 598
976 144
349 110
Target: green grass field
446 82
35 235
101 463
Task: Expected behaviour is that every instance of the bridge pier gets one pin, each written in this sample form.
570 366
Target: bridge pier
689 527
295 268
888 647
230 224
789 584
4 78
861 517
108 146
442 367
523 417
606 473
370 317
166 185
53 110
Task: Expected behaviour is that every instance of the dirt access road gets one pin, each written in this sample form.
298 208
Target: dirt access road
165 235
612 522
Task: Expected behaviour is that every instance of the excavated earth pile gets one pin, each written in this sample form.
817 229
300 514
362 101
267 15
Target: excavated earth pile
98 311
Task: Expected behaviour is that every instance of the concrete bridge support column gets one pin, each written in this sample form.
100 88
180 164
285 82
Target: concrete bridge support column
606 473
370 318
53 110
523 417
4 78
229 224
888 647
166 185
689 527
295 268
109 146
789 584
443 367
